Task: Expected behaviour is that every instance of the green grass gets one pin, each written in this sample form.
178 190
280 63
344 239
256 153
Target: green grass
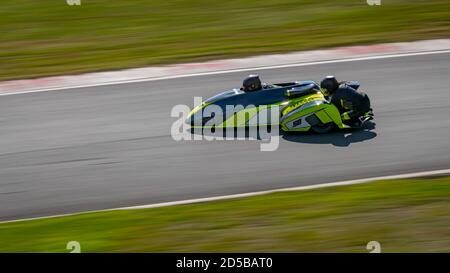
403 215
48 37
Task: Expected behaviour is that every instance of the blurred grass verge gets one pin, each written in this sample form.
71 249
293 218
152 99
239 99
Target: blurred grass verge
48 37
403 215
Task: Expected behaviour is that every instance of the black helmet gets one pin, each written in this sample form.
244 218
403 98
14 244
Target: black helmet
251 83
330 84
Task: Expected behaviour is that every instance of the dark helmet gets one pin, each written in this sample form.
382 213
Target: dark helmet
330 84
252 83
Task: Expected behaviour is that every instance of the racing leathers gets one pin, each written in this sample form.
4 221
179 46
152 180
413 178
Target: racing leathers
351 103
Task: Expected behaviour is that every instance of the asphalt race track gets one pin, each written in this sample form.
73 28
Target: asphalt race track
103 147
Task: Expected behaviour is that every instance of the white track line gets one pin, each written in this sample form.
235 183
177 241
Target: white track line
356 59
249 194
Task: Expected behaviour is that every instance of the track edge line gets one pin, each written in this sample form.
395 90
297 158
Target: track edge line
244 195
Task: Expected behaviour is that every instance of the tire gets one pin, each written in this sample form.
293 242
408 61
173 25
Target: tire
323 128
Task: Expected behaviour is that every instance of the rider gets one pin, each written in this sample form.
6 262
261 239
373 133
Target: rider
351 103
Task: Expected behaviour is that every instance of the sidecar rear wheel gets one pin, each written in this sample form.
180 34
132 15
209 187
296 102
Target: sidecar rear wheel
323 128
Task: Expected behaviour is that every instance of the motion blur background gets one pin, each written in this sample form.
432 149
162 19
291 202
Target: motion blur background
103 147
49 37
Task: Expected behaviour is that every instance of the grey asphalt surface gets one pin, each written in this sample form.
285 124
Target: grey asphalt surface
103 147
